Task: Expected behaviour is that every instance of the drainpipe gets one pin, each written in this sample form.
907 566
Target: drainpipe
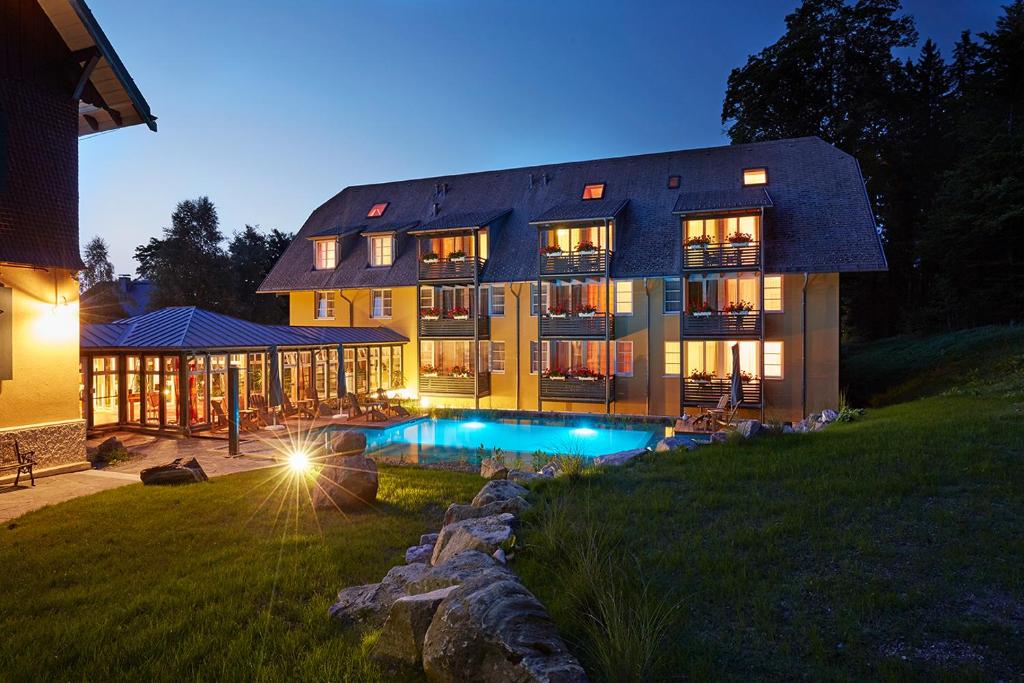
351 307
648 286
803 336
516 289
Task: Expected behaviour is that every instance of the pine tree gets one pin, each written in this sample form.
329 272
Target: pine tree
98 267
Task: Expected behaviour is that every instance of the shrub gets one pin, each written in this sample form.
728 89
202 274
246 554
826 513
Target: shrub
571 466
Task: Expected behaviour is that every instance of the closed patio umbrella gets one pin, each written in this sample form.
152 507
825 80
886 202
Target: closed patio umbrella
736 390
342 389
276 395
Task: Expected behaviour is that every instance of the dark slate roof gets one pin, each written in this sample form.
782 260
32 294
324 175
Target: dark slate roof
471 219
723 200
188 327
582 210
820 219
386 227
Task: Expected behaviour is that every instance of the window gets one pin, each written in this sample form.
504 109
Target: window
773 360
381 250
426 298
326 254
672 358
324 302
755 176
773 293
533 298
673 295
624 358
593 191
624 297
497 300
377 210
533 358
497 356
673 182
380 303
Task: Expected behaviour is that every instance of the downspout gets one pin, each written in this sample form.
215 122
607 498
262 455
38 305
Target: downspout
351 307
647 292
516 289
803 337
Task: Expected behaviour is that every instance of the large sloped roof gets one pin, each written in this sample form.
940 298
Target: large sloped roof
818 218
188 327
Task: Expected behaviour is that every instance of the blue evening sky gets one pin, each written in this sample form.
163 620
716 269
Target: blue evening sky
271 107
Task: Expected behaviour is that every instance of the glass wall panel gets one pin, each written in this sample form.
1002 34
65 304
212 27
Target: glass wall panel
350 370
151 367
171 389
332 374
134 388
197 390
105 390
219 380
237 360
362 381
375 367
305 374
255 373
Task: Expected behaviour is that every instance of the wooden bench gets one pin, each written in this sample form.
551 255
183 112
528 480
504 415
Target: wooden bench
23 461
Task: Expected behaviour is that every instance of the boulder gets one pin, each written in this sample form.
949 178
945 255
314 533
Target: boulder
428 538
458 513
179 471
485 534
348 442
788 429
720 437
620 458
102 454
346 482
550 470
520 475
499 556
454 571
748 429
816 426
401 639
492 628
499 489
492 468
419 553
828 415
367 606
671 443
813 417
800 427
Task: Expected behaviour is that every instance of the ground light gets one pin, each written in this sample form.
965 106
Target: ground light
474 425
298 461
585 432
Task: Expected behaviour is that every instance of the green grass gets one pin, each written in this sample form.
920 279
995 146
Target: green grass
228 580
887 548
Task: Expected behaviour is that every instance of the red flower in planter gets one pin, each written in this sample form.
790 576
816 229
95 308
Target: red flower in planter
558 309
586 245
740 237
551 249
698 241
458 311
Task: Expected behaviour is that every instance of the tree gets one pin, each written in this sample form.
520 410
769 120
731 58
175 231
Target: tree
252 255
188 267
98 267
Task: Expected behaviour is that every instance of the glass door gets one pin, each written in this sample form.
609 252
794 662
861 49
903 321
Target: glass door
105 390
171 388
133 378
151 384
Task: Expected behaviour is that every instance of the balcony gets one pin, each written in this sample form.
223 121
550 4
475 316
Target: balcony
576 390
725 256
455 329
722 324
448 269
574 326
575 263
707 393
450 385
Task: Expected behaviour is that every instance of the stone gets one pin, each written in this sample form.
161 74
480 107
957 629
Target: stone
813 417
499 556
800 427
788 429
419 553
458 513
499 489
748 429
491 628
346 482
401 639
817 426
367 606
455 570
828 415
101 454
348 442
485 534
520 475
620 458
492 468
179 471
720 437
550 470
428 538
671 443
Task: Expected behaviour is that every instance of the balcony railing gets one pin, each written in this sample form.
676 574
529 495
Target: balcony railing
574 263
447 269
449 385
723 324
726 256
701 393
576 326
576 390
449 327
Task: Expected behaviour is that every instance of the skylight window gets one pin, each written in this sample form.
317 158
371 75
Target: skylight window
377 210
755 176
673 182
593 191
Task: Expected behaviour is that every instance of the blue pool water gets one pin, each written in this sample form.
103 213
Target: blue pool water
447 439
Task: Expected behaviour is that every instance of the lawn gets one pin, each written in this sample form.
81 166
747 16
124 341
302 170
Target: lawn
890 547
229 580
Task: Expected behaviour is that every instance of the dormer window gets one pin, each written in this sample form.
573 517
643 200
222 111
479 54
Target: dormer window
377 210
593 191
325 254
382 250
755 176
673 182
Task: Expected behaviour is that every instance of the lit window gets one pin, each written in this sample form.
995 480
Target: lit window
326 254
377 210
773 293
624 358
497 356
673 182
497 300
426 298
381 250
593 191
672 358
773 359
673 295
624 297
324 305
755 176
533 298
533 358
380 303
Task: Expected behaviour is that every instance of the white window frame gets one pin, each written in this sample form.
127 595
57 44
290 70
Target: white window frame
615 357
497 294
534 299
495 346
763 170
317 245
385 306
323 295
624 287
382 240
664 298
678 353
781 362
534 357
433 298
764 296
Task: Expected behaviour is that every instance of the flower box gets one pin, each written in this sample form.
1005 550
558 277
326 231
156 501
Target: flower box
702 382
701 314
461 375
431 317
431 259
428 374
558 315
587 314
697 246
587 252
588 378
557 378
457 259
740 312
461 316
550 254
739 244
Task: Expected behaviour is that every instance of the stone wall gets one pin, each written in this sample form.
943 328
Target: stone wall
53 444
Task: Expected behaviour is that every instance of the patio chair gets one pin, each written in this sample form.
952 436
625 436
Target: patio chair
289 409
356 410
245 423
264 415
709 416
22 463
387 407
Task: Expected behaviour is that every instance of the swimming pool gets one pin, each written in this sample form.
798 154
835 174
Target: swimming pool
470 440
